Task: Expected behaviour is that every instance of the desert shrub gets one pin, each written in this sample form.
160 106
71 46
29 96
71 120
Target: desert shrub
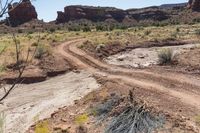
197 119
2 68
52 30
29 37
100 28
81 119
135 119
2 49
102 110
174 35
42 127
30 32
81 129
197 32
147 32
2 122
19 31
177 29
40 51
86 29
74 28
33 27
34 44
196 20
165 56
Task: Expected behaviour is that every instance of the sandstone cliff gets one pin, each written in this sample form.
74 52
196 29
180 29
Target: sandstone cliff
194 5
20 13
98 14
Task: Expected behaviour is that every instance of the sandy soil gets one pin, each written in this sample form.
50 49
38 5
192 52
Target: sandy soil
30 103
143 57
178 93
185 88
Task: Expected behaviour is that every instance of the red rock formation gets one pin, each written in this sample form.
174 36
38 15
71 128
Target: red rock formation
98 14
194 5
21 13
91 13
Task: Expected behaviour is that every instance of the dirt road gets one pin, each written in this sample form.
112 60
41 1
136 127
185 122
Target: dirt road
184 87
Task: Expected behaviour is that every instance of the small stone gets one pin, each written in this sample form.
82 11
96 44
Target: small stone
63 120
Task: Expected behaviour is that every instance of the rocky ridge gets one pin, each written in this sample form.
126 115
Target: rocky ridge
20 13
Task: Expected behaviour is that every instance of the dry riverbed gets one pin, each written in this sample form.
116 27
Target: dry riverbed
30 103
143 57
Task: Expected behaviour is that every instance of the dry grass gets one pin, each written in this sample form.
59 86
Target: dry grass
137 35
132 35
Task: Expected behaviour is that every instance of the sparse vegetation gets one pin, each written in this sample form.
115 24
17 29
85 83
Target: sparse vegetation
2 122
197 32
165 56
42 127
2 68
81 119
52 30
146 33
40 51
135 120
197 119
86 29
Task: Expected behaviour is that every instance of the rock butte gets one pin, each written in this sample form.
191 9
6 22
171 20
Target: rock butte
20 13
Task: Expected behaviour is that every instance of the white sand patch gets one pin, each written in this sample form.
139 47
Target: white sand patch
30 103
143 57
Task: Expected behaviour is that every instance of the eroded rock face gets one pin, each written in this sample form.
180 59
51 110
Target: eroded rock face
91 13
194 5
21 13
97 14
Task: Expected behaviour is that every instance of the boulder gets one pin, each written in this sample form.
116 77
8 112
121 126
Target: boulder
20 13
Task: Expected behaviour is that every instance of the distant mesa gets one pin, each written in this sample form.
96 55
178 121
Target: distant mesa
20 13
194 5
98 14
168 13
94 14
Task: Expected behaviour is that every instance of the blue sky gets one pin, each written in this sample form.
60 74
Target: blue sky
47 9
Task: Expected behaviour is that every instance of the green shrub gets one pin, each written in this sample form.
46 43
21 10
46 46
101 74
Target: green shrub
74 28
34 44
86 29
81 119
2 122
2 68
99 28
19 31
147 32
2 49
40 51
165 56
52 30
30 32
177 29
197 32
42 127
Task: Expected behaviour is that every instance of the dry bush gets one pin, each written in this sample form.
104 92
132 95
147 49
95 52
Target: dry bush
165 56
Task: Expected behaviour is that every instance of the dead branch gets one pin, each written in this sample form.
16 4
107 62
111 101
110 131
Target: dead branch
17 50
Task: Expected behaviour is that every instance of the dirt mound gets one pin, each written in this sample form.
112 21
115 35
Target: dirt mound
190 58
48 66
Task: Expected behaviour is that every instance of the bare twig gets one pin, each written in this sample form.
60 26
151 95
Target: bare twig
17 50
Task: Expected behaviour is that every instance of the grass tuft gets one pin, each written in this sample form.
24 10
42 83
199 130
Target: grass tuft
165 56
